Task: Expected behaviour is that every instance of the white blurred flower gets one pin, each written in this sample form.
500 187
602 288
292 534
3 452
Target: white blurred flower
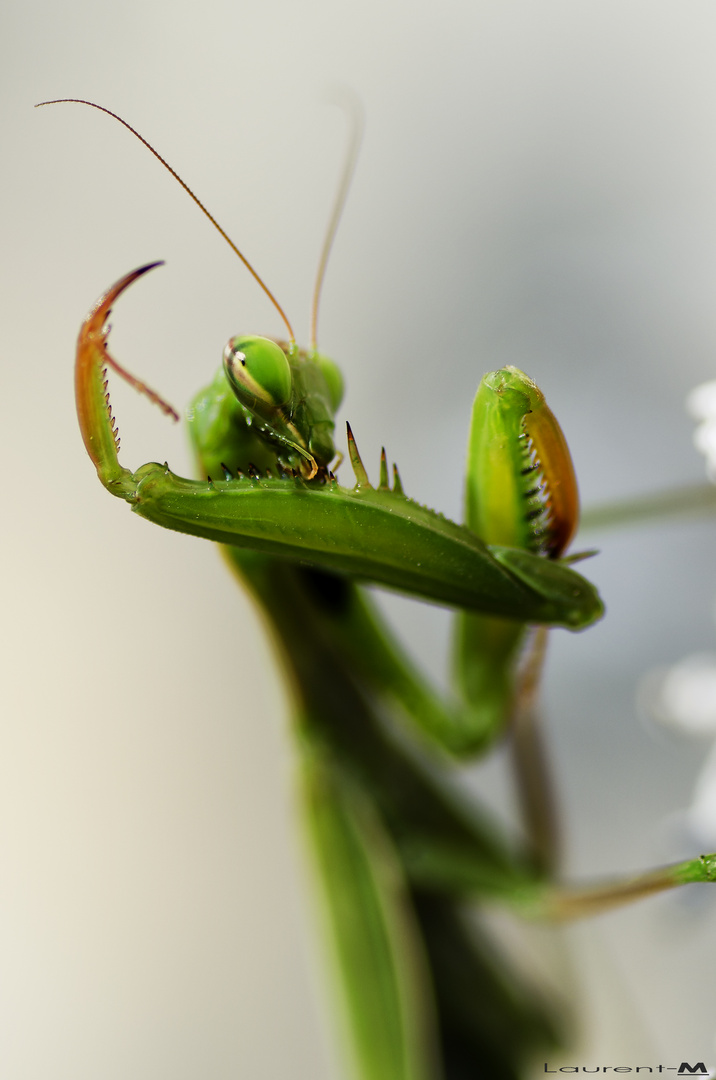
702 812
684 695
683 698
701 404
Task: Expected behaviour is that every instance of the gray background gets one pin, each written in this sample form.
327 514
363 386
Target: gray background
537 187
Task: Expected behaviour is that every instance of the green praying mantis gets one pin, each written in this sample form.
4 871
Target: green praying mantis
399 854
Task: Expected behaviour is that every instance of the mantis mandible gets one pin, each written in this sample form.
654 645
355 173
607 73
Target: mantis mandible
397 850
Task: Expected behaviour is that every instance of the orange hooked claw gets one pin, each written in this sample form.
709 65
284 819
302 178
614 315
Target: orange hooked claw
93 409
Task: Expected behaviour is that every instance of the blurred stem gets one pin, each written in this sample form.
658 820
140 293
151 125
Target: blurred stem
675 503
530 763
557 904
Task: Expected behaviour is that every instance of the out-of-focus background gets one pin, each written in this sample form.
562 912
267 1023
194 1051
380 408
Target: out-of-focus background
537 187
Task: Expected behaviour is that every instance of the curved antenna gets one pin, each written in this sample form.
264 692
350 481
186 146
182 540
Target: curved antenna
353 107
199 203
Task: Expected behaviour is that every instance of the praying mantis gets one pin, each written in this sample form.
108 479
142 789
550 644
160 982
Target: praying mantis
398 853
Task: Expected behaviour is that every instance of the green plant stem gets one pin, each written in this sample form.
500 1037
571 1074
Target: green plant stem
560 904
530 763
643 509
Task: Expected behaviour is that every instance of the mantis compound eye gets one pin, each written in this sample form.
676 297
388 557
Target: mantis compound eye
258 371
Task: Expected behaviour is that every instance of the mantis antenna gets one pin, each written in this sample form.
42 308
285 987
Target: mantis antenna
352 105
199 203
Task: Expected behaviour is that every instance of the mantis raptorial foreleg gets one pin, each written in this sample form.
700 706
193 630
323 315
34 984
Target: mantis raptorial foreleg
521 490
373 534
216 510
